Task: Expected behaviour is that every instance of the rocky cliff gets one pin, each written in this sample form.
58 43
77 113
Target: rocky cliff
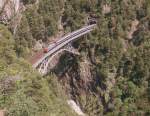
9 8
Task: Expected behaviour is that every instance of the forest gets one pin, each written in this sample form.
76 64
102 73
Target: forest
110 77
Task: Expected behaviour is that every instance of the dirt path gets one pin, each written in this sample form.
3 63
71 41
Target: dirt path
34 58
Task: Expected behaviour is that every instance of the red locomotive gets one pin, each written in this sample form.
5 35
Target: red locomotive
45 50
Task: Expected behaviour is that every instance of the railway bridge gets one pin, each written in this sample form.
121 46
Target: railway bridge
63 44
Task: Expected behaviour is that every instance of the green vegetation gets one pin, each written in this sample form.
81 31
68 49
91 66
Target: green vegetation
127 59
23 91
120 66
39 21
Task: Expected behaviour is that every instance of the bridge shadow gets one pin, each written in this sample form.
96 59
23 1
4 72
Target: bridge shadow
66 61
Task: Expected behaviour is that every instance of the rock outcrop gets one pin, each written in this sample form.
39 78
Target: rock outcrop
8 9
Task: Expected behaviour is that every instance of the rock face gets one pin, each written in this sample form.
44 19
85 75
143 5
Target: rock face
8 8
84 85
2 113
85 71
75 107
8 4
38 45
133 28
106 9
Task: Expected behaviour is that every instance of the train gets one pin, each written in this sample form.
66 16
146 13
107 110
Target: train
45 50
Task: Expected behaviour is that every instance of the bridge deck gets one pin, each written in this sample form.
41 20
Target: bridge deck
57 45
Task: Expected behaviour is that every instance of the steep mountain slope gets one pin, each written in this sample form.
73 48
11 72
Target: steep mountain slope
110 77
24 91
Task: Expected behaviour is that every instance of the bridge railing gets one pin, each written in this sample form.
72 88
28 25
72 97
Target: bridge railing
70 34
65 40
